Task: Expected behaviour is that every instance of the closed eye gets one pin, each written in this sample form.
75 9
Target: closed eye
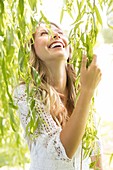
44 33
60 32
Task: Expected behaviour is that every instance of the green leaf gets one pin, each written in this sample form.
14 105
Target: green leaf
80 15
32 104
61 15
110 5
33 4
1 125
90 5
69 12
1 7
12 105
78 6
111 158
6 79
77 25
81 4
21 7
12 119
21 58
36 76
92 164
98 15
44 18
110 26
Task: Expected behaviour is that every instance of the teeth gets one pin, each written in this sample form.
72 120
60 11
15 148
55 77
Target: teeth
56 45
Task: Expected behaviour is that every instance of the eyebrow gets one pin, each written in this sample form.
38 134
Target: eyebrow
58 29
43 30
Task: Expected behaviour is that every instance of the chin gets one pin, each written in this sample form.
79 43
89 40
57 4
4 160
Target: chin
61 55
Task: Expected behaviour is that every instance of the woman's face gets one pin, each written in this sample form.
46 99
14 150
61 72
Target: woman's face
51 44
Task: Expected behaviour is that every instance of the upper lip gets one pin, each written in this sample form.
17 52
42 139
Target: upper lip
57 42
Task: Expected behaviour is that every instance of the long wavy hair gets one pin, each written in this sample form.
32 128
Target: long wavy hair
59 112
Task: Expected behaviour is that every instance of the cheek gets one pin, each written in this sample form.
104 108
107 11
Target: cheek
38 48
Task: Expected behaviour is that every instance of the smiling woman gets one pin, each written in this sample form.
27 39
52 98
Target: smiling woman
47 41
55 125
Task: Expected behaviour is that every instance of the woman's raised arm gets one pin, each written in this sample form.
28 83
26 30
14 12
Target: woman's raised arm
72 133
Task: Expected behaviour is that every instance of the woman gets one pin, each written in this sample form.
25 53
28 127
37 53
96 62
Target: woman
56 141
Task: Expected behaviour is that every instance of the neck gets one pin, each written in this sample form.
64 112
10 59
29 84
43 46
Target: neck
58 75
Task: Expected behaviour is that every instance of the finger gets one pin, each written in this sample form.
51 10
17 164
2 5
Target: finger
94 61
84 62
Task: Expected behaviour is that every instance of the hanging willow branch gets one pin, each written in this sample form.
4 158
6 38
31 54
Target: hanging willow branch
17 22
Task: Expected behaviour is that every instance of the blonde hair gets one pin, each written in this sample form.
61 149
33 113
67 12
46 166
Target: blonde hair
59 112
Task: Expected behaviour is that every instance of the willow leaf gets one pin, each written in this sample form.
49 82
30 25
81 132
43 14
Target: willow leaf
1 7
78 5
36 76
100 3
6 80
33 4
61 15
90 5
21 59
1 125
111 158
21 7
98 15
80 15
81 4
70 13
12 120
110 4
92 164
43 17
77 25
110 26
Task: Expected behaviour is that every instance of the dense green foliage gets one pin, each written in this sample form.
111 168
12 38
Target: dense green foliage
17 23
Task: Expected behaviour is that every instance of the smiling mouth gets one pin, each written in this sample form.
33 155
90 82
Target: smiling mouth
56 45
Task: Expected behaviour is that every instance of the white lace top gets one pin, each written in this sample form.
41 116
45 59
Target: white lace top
47 151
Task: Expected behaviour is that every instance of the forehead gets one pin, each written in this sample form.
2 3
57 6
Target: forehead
44 26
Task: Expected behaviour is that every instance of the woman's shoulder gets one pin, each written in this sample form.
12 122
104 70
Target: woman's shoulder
19 94
19 90
27 90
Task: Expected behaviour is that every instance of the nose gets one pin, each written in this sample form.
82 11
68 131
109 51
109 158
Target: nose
56 35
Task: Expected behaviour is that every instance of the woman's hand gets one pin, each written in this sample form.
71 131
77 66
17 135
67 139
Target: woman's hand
91 76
